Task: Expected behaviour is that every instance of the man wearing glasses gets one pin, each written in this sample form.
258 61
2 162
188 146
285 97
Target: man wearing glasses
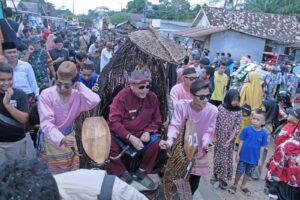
204 116
182 90
134 119
58 108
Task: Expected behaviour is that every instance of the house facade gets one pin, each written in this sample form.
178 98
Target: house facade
238 44
243 33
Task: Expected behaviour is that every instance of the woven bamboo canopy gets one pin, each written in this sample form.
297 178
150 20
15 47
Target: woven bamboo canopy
158 46
143 47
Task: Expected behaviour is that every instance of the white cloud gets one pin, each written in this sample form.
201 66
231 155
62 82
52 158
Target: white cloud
82 6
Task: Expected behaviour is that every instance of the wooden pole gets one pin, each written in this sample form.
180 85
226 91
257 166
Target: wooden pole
1 41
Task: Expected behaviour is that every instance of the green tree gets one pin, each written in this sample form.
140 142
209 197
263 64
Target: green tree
181 9
84 20
136 6
118 17
287 7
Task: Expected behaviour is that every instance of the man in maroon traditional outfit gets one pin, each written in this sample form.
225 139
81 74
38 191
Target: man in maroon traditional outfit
134 119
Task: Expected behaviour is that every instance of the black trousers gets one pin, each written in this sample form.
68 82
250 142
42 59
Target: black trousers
194 182
283 191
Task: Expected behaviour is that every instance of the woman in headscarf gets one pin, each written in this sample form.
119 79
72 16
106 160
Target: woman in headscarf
227 127
252 92
50 42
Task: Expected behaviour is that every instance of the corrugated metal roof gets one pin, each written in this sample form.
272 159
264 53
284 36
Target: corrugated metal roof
197 32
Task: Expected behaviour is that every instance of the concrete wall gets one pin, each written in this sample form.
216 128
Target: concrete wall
167 29
238 44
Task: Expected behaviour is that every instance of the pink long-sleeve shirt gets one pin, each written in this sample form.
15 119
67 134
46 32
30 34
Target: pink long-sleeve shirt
179 93
205 122
56 115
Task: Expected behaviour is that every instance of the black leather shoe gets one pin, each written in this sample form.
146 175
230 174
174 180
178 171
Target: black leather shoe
126 176
144 179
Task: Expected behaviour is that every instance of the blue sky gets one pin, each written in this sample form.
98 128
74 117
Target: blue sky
82 6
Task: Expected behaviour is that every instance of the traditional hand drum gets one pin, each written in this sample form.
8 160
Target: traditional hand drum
190 140
96 139
176 184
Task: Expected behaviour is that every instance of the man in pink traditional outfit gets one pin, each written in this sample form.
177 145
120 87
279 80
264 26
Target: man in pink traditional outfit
58 108
204 115
134 119
181 91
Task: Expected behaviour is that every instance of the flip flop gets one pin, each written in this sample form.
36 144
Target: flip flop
232 190
246 191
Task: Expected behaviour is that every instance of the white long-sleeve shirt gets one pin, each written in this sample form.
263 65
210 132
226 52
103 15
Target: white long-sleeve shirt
105 57
86 184
24 78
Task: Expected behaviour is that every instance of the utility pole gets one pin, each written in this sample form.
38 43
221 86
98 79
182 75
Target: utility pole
145 12
73 7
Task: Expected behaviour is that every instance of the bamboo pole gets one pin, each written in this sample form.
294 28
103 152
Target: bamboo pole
1 41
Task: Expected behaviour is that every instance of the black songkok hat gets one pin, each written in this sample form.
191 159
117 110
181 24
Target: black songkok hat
8 45
190 70
58 40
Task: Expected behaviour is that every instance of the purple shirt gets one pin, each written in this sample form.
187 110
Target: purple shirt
56 115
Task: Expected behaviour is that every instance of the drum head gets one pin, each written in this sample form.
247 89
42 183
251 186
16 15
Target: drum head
190 140
96 139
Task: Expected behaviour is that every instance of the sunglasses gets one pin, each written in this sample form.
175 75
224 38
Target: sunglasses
191 78
144 86
203 96
65 85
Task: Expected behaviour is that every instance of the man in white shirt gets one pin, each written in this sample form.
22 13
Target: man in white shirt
32 179
24 78
94 47
106 55
88 184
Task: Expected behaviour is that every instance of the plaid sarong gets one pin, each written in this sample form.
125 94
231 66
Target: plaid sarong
60 159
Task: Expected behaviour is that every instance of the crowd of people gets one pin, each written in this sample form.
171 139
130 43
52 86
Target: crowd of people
47 85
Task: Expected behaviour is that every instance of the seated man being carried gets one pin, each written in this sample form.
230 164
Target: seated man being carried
134 119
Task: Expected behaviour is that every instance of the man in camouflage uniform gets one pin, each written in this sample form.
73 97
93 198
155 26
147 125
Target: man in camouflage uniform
40 61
